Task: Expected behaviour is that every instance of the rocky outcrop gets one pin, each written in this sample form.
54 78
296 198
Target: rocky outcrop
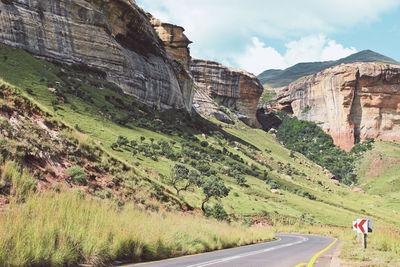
175 41
205 105
267 120
177 45
359 100
230 87
114 37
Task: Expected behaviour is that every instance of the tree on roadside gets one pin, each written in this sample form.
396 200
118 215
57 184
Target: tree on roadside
213 187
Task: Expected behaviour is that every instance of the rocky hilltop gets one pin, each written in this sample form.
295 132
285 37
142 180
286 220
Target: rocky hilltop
349 101
113 37
279 78
231 87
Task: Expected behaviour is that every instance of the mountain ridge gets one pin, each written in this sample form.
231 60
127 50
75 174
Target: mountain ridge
274 78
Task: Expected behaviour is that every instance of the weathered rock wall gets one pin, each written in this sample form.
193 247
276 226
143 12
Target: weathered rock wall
113 36
348 101
231 87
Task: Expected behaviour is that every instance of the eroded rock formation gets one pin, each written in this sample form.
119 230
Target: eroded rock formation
177 45
359 100
230 87
175 41
112 36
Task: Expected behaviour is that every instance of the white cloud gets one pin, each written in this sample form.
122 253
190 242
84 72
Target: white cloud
221 29
259 57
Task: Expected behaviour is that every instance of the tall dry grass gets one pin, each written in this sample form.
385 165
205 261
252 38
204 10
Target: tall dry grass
69 228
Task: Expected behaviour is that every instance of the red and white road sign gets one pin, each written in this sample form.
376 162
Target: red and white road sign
363 226
355 226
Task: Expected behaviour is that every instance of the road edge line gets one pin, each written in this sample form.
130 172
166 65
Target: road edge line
198 254
313 259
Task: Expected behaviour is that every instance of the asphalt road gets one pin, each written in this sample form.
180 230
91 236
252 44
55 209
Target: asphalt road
288 250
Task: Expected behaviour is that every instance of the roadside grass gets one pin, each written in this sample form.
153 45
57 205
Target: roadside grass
383 244
69 227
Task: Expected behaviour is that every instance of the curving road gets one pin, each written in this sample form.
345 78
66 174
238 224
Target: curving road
289 250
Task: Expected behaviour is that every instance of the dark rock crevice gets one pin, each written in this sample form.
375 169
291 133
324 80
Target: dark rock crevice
356 109
267 120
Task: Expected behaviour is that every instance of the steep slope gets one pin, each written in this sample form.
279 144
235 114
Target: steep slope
279 78
211 147
350 102
114 39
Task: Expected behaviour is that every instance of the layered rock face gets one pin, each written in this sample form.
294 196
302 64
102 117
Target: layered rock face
113 36
177 45
359 100
175 41
231 87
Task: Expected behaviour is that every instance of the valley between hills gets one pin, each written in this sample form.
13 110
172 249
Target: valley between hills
116 146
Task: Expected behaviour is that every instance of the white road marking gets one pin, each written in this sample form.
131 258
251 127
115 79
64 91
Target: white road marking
208 263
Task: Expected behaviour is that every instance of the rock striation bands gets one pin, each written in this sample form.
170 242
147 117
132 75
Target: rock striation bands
349 101
234 88
114 37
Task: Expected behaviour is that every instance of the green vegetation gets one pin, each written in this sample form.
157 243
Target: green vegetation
213 187
127 150
268 95
306 110
181 179
67 228
77 174
16 182
310 140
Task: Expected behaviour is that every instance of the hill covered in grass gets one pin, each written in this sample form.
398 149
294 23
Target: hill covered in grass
280 78
68 134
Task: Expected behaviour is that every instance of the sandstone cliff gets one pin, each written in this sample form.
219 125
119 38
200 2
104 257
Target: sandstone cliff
113 36
230 87
348 101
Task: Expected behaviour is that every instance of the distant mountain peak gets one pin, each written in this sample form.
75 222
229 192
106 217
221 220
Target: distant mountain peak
279 78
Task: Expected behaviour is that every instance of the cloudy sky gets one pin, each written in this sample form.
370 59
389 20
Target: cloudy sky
267 34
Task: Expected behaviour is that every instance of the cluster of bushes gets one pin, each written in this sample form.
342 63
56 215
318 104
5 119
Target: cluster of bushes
198 154
309 139
298 191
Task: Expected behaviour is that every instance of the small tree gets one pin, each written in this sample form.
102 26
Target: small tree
239 178
133 143
213 187
179 178
122 141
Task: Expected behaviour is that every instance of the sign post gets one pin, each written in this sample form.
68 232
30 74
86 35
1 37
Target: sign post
363 226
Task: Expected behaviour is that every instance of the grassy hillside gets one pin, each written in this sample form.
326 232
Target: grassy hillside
279 78
68 116
379 174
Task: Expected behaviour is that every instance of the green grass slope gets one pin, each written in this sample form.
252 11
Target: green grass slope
96 110
379 174
80 99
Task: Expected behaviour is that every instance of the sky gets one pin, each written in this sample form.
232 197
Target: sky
257 35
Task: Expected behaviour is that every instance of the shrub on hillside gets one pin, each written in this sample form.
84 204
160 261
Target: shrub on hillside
218 212
78 175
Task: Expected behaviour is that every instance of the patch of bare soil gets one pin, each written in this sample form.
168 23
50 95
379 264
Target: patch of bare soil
380 164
